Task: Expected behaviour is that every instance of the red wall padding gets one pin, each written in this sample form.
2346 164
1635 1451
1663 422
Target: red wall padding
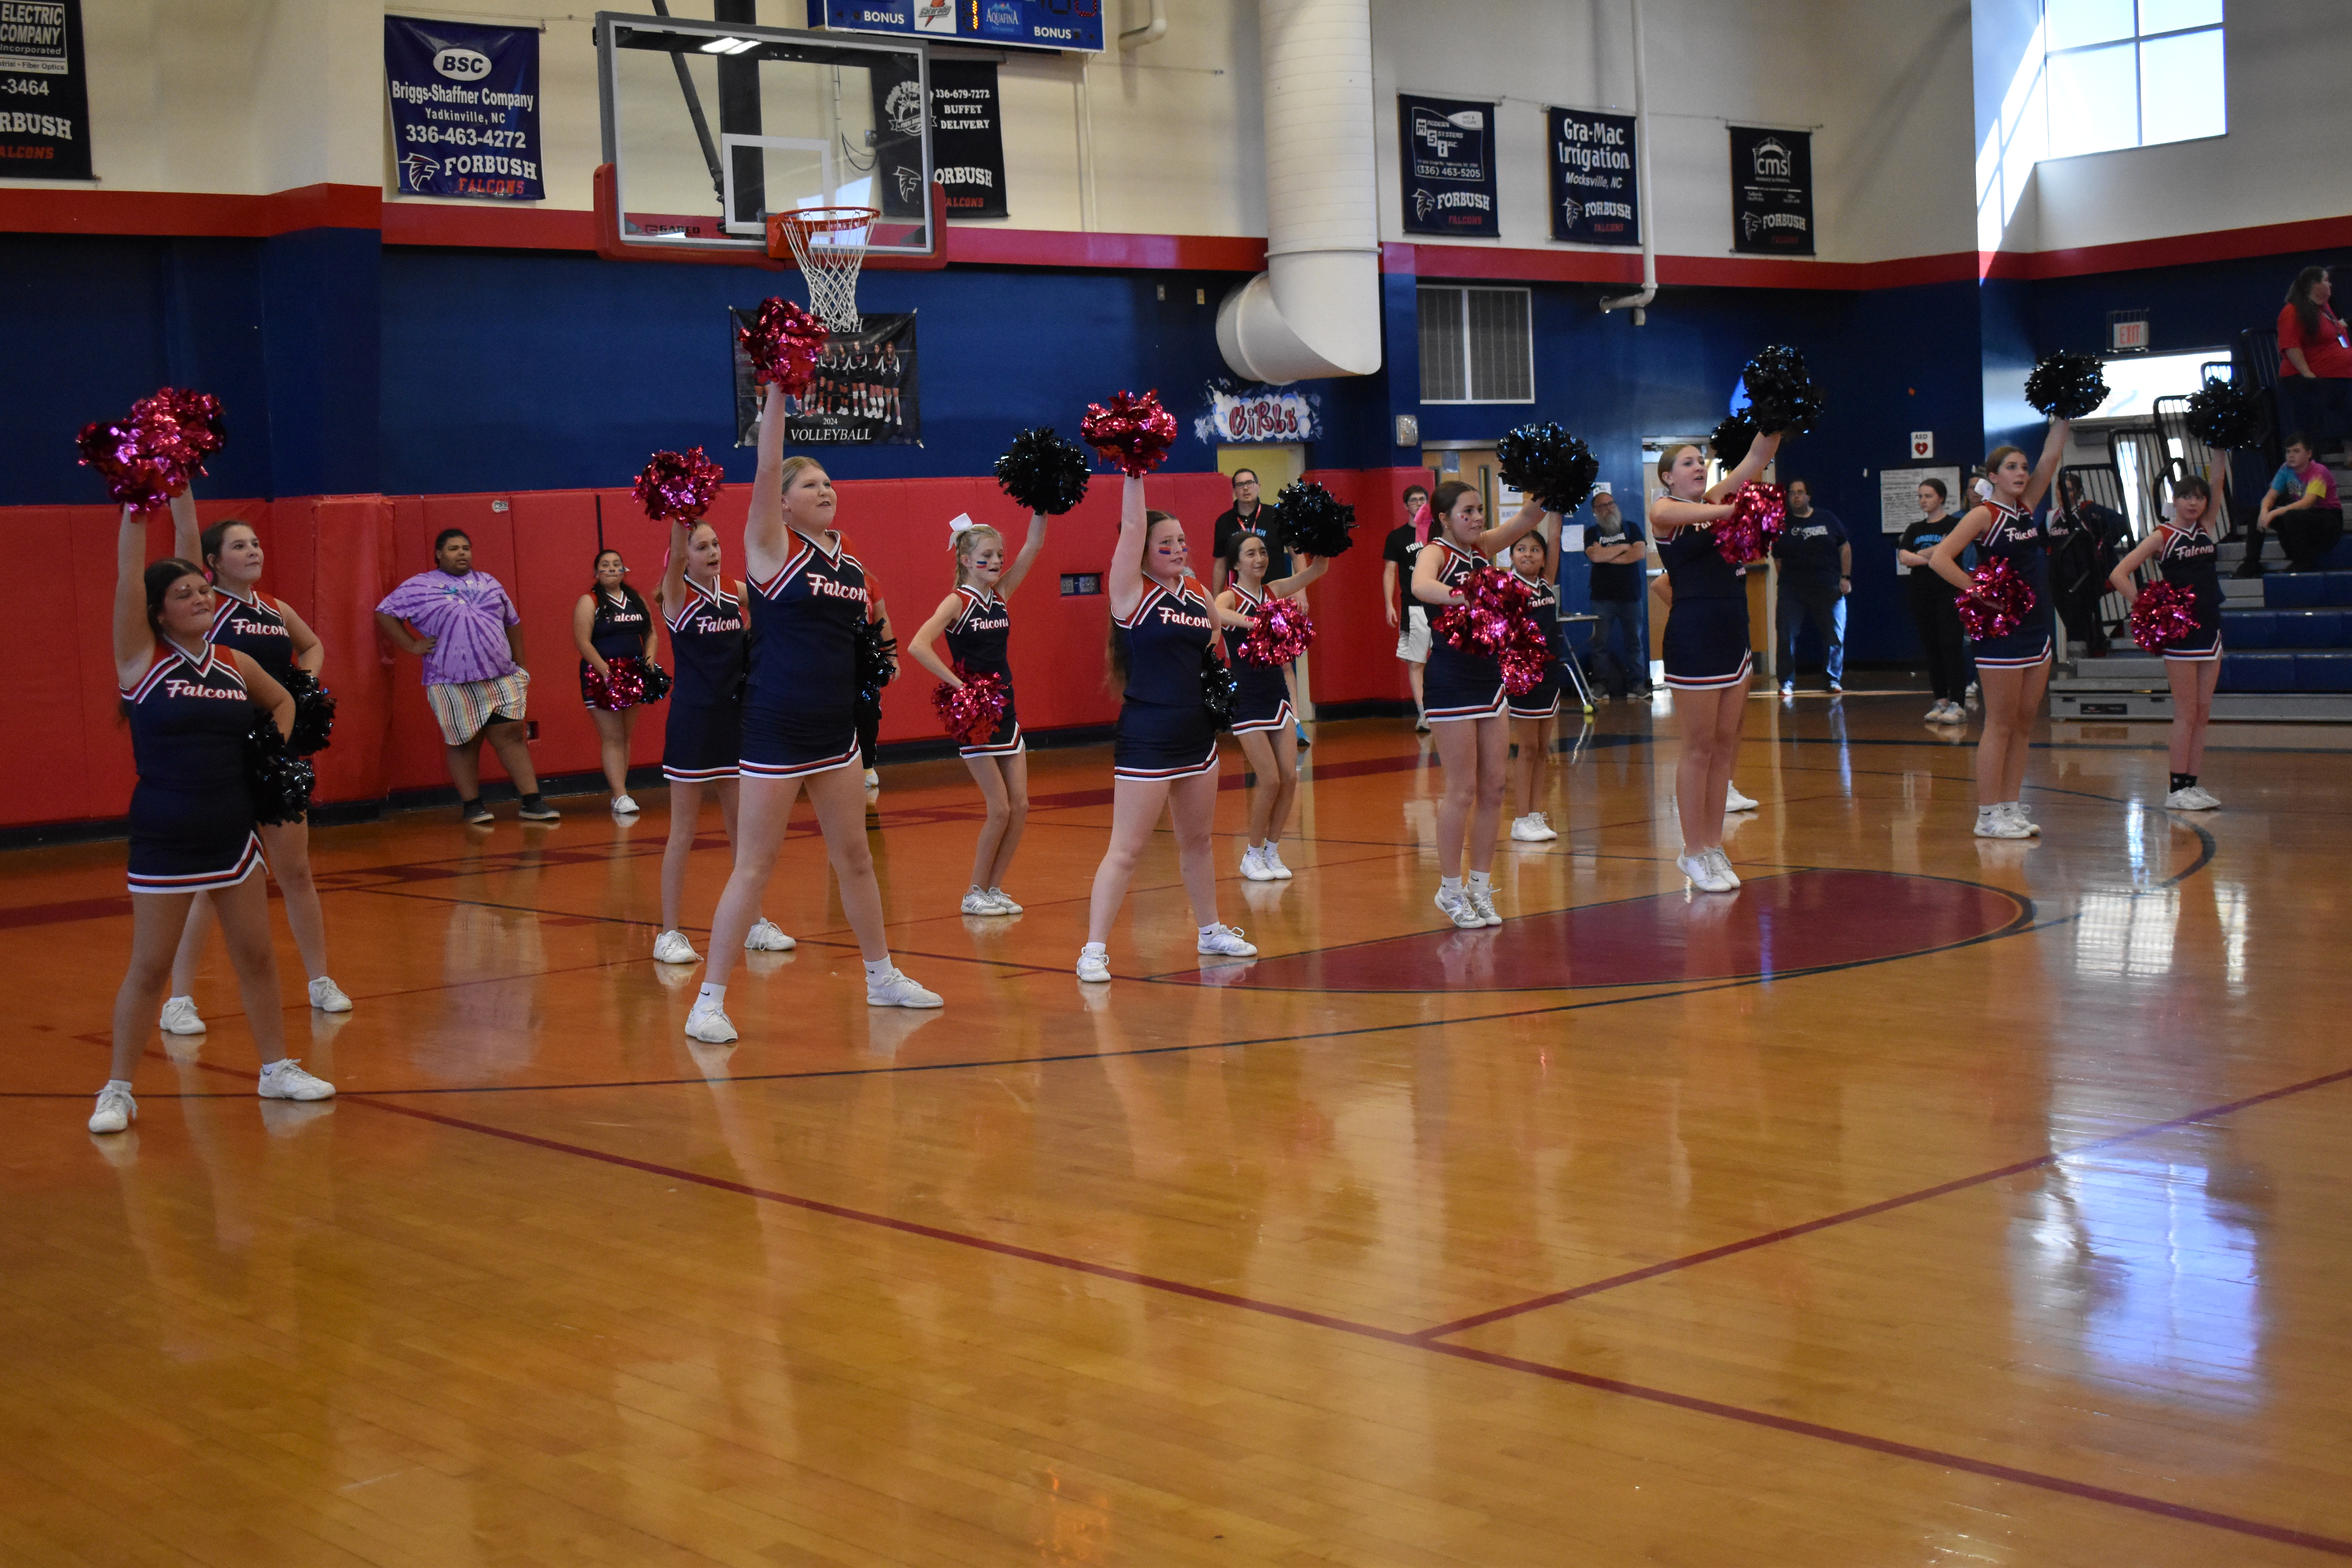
332 557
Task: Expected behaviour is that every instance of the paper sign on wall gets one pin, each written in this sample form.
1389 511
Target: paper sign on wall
1898 495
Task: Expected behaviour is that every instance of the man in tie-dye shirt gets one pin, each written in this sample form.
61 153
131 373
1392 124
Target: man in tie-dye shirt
461 624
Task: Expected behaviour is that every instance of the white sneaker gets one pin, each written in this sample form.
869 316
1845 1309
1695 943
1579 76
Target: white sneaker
1700 869
672 947
976 902
1992 824
1936 714
623 805
116 1111
1530 830
2016 810
1094 963
1482 899
2192 798
2206 799
284 1080
708 1024
1734 801
180 1016
895 990
1225 942
873 779
1420 726
1457 906
1254 867
766 936
1272 861
1004 904
1723 871
328 997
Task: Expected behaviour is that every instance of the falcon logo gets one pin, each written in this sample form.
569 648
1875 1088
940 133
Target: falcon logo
1422 202
909 181
419 168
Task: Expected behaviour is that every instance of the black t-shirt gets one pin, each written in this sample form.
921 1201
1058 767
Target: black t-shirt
1808 546
1921 539
1403 550
1261 523
1614 581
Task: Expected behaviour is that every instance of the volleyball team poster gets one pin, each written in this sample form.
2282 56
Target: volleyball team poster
864 393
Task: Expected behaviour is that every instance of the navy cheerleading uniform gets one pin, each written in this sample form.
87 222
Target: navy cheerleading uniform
1458 685
192 813
708 642
618 632
2188 559
1261 691
976 641
1542 700
254 629
1164 732
800 707
2021 541
1707 630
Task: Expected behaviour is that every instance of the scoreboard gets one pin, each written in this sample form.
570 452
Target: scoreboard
1000 24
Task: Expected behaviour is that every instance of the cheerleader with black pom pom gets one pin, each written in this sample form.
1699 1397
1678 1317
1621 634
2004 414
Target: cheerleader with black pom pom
2186 551
1262 711
976 620
611 621
808 598
268 631
1165 756
190 706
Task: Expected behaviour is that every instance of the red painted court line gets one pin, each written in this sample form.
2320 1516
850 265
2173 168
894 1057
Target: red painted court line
1942 1189
1938 1457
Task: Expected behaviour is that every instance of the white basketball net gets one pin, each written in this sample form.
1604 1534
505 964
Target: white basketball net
829 243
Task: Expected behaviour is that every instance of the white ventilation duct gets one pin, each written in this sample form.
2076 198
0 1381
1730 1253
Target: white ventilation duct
1316 310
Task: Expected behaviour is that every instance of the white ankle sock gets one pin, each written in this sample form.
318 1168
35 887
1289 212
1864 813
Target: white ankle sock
877 969
1482 878
122 1083
711 995
1449 884
1212 928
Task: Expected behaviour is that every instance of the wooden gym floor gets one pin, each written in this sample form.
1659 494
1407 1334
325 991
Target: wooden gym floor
1932 1201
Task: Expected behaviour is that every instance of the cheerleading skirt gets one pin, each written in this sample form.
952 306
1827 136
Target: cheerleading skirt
1261 699
2028 646
1157 742
702 744
1005 741
192 840
793 744
1458 685
2200 647
1538 702
1707 645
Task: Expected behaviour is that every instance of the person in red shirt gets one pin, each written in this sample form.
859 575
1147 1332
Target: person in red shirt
2315 362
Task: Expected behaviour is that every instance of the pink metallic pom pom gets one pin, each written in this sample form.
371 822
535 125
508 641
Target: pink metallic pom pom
634 682
1133 433
2163 614
1758 512
783 342
1995 602
150 456
678 484
134 476
971 711
1527 659
1493 621
1280 633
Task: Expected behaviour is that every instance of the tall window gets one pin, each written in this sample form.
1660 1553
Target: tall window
1476 346
2098 75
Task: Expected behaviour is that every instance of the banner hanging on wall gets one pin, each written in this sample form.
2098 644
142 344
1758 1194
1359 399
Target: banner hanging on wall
43 92
1448 166
1251 411
967 138
465 109
1595 193
863 393
1771 192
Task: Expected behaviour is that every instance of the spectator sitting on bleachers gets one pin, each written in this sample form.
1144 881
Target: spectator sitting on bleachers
2303 507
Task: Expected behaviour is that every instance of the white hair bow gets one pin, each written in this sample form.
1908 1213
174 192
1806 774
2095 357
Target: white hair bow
957 525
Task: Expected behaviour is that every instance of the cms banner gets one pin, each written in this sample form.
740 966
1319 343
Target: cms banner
43 92
1448 165
465 109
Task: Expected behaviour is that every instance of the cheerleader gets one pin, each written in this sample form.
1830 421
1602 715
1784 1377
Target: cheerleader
269 632
2014 671
976 620
1708 664
1534 712
2187 552
800 721
1164 626
1262 711
189 704
705 734
1466 707
610 622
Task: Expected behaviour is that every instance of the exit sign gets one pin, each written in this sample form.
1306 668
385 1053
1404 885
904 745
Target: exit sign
2127 329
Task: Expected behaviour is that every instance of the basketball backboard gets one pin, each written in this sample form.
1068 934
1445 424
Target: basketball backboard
711 126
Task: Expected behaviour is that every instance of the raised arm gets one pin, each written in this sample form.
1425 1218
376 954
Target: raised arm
1125 578
2054 450
922 648
310 653
1751 468
763 528
134 639
1031 546
188 532
673 578
1524 521
1316 566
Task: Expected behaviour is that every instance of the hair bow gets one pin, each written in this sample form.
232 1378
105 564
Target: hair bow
958 526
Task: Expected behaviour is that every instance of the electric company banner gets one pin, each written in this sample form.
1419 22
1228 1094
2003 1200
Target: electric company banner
1595 197
967 138
863 393
465 109
1448 165
43 92
1771 192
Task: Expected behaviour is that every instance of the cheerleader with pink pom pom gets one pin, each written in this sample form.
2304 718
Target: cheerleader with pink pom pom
1273 632
976 623
2180 616
2012 642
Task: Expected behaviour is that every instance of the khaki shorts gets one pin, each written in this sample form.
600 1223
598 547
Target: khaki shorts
464 707
1413 637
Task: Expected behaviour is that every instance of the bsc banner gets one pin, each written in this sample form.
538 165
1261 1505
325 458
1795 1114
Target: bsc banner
465 109
43 92
1448 166
1771 192
1595 199
863 393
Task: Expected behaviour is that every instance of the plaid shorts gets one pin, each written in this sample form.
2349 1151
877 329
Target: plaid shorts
464 707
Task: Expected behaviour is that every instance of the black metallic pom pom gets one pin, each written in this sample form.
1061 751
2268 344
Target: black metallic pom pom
314 714
2228 418
1044 473
1217 689
2067 385
1780 395
877 663
1547 463
281 783
657 682
1312 521
1731 440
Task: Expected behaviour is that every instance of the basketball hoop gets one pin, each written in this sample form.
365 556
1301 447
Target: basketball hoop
829 243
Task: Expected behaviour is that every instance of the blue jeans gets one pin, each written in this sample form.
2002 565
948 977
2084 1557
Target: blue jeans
1826 606
1630 671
